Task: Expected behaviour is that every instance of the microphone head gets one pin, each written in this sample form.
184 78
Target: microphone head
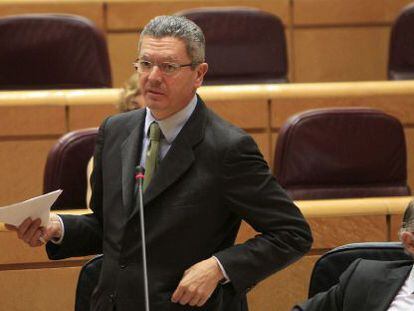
139 172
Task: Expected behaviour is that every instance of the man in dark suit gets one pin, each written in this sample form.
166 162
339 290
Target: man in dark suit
209 175
369 285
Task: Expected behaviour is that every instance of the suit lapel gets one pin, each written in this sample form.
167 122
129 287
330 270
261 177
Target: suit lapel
180 156
386 287
130 154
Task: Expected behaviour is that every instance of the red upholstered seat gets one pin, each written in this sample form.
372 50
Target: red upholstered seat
342 153
401 58
243 45
50 51
66 168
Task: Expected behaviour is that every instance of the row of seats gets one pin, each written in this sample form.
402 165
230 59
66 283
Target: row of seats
47 51
320 154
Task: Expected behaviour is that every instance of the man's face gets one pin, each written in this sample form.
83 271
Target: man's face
407 238
167 94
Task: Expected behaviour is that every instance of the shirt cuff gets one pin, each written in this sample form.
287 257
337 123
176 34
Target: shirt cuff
226 277
56 240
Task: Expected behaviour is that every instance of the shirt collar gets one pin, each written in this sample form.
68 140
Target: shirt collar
171 126
410 281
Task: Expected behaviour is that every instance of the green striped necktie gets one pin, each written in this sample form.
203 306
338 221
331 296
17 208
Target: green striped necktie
152 156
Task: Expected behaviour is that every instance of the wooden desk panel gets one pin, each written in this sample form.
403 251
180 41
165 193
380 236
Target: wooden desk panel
81 117
284 289
332 232
247 114
262 142
32 120
348 12
15 251
22 162
122 52
279 292
94 10
285 109
395 225
340 54
16 254
134 15
395 98
38 289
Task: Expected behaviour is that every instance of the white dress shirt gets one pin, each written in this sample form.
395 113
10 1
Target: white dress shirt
170 127
404 300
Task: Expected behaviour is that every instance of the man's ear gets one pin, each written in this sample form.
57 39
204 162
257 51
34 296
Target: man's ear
407 238
201 70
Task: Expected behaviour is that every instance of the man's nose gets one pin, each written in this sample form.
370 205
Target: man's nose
155 73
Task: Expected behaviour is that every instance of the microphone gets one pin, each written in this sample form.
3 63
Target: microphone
139 178
139 181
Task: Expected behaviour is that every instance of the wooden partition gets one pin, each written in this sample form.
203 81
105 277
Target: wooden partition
31 122
29 279
328 40
342 40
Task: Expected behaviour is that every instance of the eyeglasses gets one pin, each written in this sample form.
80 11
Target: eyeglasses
145 66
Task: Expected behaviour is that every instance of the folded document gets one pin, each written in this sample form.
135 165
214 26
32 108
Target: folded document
37 207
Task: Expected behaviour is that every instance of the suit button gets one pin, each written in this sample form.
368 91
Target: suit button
122 266
112 297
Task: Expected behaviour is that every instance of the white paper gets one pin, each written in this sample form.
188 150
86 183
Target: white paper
37 207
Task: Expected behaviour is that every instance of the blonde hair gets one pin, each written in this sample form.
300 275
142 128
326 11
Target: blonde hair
131 90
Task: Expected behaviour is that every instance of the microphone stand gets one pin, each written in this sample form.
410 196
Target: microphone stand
139 178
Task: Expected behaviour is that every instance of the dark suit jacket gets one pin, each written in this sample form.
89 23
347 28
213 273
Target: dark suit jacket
212 177
367 285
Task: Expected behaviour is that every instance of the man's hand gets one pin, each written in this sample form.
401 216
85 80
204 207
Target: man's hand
30 231
198 283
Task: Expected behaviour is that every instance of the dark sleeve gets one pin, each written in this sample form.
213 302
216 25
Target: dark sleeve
83 233
333 298
251 191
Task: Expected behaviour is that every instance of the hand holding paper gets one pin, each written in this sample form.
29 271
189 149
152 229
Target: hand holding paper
33 234
32 220
37 207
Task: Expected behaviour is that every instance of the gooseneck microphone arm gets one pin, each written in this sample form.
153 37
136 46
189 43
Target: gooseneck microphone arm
139 181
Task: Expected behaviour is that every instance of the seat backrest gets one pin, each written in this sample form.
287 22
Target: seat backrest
52 51
243 45
401 54
332 264
341 153
66 168
87 281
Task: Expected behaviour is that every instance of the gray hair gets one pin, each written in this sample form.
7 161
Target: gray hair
407 224
408 218
181 28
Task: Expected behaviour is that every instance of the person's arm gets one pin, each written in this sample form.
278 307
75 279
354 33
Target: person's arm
332 299
251 191
30 231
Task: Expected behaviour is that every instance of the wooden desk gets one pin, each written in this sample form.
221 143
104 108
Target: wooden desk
31 122
30 279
